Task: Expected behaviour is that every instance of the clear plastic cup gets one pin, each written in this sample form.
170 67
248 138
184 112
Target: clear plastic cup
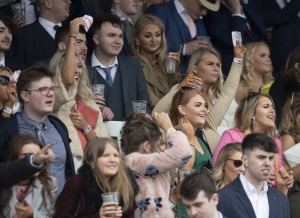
99 88
170 64
113 199
185 172
204 38
139 106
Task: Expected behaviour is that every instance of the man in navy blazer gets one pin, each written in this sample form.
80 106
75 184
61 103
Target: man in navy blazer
37 94
244 18
122 76
176 15
199 196
249 195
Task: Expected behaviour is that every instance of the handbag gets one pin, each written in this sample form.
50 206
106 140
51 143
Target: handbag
207 168
91 117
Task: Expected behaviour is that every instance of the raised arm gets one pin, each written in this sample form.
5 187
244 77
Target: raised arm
218 111
178 153
68 66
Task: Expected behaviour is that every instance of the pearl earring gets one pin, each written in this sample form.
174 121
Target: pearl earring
138 46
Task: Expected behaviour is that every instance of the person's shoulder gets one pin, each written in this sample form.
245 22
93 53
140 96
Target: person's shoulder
23 29
124 59
276 194
160 6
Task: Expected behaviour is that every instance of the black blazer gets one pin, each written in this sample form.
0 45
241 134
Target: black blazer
234 202
14 65
134 85
32 43
16 171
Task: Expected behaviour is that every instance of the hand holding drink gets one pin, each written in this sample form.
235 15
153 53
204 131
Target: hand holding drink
110 206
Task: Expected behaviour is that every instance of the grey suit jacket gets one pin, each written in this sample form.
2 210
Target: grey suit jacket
39 210
133 81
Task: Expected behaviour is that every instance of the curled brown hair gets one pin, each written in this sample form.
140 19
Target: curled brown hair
12 154
137 130
117 183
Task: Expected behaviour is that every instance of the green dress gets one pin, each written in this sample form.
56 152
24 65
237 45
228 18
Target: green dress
200 160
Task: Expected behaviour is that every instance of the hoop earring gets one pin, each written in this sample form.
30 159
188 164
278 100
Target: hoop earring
138 46
253 121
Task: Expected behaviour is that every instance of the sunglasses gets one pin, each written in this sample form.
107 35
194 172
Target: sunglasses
236 163
4 80
184 88
252 94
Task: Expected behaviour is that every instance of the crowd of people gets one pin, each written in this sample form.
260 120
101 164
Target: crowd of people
57 156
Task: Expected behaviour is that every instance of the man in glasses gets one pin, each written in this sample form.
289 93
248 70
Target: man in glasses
36 92
249 194
199 196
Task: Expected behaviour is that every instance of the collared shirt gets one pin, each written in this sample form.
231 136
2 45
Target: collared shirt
29 12
282 4
220 215
121 16
260 202
96 64
49 26
2 62
50 134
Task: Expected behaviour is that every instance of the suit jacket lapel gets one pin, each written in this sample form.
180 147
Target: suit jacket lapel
242 196
36 193
272 203
260 26
185 32
123 70
44 37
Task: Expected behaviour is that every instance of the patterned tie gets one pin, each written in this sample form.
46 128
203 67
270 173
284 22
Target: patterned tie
39 132
127 29
191 25
109 79
248 30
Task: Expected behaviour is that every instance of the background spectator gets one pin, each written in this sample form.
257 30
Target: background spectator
103 170
149 46
33 197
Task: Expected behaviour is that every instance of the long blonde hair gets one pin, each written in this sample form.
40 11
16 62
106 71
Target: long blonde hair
84 93
117 183
289 123
225 153
248 67
243 115
214 90
161 51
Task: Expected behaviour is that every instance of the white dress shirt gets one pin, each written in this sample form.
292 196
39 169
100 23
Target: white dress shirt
48 26
2 62
220 215
96 64
282 4
29 12
121 16
260 202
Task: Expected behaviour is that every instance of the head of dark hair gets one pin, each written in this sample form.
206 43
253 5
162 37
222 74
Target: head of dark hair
195 183
137 130
7 21
293 59
261 141
106 17
62 35
30 75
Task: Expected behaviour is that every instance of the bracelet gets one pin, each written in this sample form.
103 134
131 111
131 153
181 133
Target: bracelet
7 110
238 60
88 129
191 144
72 37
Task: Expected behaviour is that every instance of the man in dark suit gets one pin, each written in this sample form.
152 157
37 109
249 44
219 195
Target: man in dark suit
249 195
244 18
123 76
36 41
183 25
6 26
20 170
37 94
199 196
123 9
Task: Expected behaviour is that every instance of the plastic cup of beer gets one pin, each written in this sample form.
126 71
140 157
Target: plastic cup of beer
185 172
99 88
113 199
139 106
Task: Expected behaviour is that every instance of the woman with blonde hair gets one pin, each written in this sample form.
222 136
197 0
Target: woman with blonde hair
257 70
103 170
74 103
149 46
228 165
289 130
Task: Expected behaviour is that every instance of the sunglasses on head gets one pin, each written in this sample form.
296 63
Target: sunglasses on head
4 80
236 163
184 88
252 94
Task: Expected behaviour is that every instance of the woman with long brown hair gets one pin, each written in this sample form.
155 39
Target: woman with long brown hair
103 170
33 197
